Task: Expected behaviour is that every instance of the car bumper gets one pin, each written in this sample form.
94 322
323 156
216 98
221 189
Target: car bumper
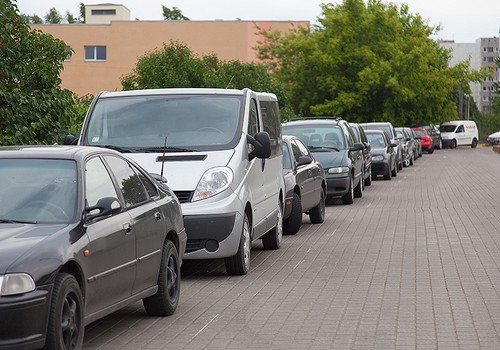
337 187
23 319
380 167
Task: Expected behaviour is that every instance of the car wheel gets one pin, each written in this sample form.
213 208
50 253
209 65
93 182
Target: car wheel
358 190
292 224
453 144
474 143
440 144
272 239
348 198
430 150
317 214
239 264
368 180
394 172
165 301
65 328
387 175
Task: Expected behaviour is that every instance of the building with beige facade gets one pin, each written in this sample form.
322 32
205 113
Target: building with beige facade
106 49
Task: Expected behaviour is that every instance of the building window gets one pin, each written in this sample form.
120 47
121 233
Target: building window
103 12
68 56
490 49
95 53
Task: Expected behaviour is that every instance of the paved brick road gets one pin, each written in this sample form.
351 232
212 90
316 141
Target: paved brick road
413 264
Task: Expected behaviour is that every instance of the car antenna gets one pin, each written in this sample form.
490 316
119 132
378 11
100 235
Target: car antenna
230 80
163 158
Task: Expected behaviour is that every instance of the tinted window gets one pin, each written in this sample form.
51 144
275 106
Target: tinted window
253 120
98 183
287 163
129 182
272 124
377 141
317 136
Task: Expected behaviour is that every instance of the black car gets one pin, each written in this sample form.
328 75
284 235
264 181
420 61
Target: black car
305 185
391 135
383 154
435 134
367 155
83 233
333 144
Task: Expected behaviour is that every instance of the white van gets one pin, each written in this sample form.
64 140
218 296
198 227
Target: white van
219 151
459 133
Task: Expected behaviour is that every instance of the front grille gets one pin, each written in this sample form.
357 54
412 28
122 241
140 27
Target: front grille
184 196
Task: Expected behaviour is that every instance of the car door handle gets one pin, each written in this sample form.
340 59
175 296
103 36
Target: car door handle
127 228
157 216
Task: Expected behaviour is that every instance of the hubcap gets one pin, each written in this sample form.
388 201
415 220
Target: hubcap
246 244
70 322
172 278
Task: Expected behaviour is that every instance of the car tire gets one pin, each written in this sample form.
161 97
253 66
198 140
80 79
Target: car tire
239 264
412 160
272 239
440 144
430 150
368 180
474 143
317 214
292 224
387 175
66 326
166 299
453 144
348 198
394 172
358 190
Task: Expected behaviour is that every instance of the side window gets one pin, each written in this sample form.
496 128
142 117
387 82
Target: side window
303 149
349 135
150 187
297 152
272 125
460 128
253 120
129 182
287 163
98 183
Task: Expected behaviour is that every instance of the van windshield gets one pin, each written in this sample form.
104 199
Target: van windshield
189 122
447 128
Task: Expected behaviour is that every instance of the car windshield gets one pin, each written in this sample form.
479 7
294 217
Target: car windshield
384 127
182 122
38 190
318 137
447 128
376 140
420 132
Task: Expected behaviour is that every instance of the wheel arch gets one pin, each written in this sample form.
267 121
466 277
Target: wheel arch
73 268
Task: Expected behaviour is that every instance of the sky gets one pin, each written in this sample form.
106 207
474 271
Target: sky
463 21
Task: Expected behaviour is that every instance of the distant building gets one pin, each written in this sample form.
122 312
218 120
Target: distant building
109 44
482 53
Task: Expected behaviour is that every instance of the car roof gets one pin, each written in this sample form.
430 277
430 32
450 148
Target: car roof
316 121
184 91
52 151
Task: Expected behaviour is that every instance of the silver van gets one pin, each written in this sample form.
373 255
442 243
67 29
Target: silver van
220 152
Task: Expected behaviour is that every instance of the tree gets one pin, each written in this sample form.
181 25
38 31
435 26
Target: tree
173 14
33 107
70 18
176 66
53 16
32 19
364 61
81 19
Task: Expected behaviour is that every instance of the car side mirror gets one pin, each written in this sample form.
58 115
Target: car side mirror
104 207
70 140
303 160
356 147
261 143
158 177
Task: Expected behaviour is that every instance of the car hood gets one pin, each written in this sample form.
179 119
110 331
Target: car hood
378 151
330 159
18 239
495 135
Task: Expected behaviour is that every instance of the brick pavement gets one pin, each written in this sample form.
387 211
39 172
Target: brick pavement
413 264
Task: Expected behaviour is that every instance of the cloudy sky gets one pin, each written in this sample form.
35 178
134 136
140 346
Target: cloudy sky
462 21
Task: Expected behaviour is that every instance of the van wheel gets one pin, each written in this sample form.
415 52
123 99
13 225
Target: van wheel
272 239
239 264
348 198
453 144
165 301
66 327
317 214
292 224
474 143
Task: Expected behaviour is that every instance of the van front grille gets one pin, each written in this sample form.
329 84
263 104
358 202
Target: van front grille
184 196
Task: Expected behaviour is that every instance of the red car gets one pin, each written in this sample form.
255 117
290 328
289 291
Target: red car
425 140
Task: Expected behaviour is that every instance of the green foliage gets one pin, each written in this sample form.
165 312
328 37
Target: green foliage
176 66
53 17
364 62
70 18
173 14
33 108
81 19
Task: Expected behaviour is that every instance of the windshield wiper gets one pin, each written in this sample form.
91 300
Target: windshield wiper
117 148
164 149
6 221
323 149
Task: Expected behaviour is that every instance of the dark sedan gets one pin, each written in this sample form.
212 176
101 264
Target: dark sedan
305 185
83 233
383 154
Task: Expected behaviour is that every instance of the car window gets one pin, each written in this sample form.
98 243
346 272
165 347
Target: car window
287 163
129 182
317 136
253 122
377 141
351 138
460 128
148 185
98 183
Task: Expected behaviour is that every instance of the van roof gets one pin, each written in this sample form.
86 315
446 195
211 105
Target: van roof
183 91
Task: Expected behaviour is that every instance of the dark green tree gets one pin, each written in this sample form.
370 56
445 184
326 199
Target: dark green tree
53 16
173 14
32 19
70 18
33 107
81 19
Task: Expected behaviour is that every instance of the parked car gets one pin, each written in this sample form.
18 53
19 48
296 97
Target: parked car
407 144
367 155
383 154
425 140
305 185
494 139
416 141
222 152
459 133
391 135
434 134
333 144
83 232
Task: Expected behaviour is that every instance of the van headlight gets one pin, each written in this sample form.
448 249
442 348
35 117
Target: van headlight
339 170
16 283
214 181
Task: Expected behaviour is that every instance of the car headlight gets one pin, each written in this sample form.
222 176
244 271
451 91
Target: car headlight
16 283
214 181
379 157
338 170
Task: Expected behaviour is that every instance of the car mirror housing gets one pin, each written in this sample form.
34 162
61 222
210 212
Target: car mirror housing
303 160
261 143
357 147
70 140
104 207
